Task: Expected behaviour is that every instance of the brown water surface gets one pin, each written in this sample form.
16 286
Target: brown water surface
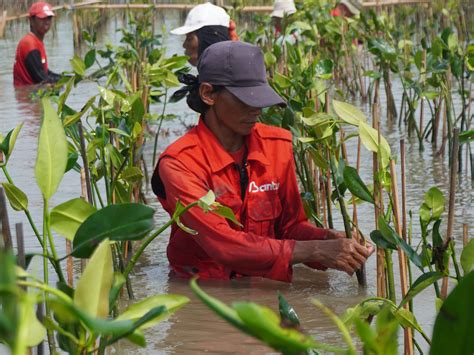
195 329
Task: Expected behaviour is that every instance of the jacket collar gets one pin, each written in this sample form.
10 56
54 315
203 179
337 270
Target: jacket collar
218 157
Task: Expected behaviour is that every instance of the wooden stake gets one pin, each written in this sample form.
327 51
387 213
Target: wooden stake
7 237
404 194
69 264
401 255
378 209
86 179
20 245
465 234
452 197
3 24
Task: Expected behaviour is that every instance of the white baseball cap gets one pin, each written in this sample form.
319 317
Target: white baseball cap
203 15
354 6
283 7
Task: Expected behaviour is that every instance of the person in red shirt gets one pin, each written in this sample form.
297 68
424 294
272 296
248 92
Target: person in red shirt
251 170
31 63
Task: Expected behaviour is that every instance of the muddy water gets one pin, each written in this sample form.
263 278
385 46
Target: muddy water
194 329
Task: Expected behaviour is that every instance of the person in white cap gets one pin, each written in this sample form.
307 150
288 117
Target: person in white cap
205 24
281 9
347 8
31 63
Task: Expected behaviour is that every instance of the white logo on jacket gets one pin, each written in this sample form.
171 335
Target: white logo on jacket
273 186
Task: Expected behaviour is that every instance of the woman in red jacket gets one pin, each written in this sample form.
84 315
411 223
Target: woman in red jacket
250 168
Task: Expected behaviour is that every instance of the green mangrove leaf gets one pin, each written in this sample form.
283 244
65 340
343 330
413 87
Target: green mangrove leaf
368 336
282 81
137 338
454 325
355 184
171 303
132 175
92 291
324 69
287 312
171 81
207 200
138 108
425 214
340 325
434 199
270 59
466 136
16 197
369 138
430 95
30 331
225 212
67 217
98 326
220 308
127 221
119 281
317 119
379 240
265 325
306 139
420 284
174 62
71 119
407 319
9 142
52 155
364 310
107 95
348 113
387 327
89 58
467 257
78 65
318 159
390 235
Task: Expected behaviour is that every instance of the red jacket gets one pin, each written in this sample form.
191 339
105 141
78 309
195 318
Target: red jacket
31 63
271 213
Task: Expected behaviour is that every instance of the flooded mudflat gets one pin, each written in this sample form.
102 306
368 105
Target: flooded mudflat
195 329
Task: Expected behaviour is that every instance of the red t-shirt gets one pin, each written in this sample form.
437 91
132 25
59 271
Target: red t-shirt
28 44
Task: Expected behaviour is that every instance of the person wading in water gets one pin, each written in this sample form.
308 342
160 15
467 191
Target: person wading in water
31 62
251 170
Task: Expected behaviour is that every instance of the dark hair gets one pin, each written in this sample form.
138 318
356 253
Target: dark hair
195 102
208 35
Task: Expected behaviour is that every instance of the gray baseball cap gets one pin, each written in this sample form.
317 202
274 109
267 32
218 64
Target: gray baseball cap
240 68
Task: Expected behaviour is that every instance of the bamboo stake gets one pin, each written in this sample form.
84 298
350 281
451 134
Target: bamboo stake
20 245
401 255
69 264
88 193
422 101
7 237
434 137
3 24
452 197
84 196
465 234
378 209
444 134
